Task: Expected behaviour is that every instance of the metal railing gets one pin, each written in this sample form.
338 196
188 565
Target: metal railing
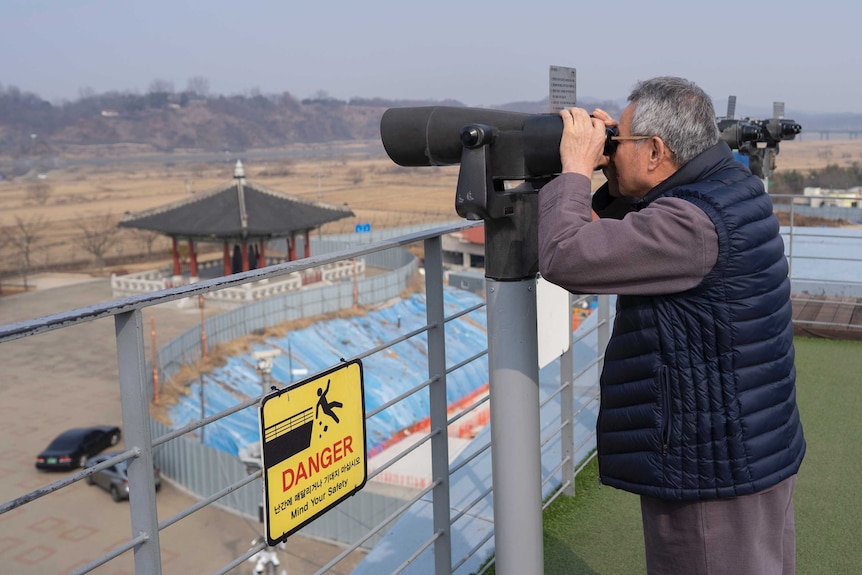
562 451
565 439
825 263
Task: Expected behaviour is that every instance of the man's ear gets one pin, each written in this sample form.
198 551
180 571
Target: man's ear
659 154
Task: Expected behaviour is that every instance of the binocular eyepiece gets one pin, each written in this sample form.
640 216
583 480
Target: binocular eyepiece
611 132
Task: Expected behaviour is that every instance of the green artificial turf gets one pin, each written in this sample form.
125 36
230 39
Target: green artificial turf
598 532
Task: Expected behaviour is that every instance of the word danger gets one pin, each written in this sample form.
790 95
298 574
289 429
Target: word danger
320 460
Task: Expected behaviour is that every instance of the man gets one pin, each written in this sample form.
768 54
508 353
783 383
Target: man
698 405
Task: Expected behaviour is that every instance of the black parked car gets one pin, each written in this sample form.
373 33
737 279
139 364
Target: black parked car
115 479
72 448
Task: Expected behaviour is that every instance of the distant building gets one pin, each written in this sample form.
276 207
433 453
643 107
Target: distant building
823 197
243 217
465 249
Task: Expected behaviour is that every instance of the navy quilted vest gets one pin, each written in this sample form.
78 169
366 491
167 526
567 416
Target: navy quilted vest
698 396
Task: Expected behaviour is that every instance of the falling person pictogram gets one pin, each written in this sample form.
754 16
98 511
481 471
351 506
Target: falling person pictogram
326 405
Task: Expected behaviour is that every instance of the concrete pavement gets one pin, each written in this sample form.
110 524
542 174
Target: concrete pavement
68 378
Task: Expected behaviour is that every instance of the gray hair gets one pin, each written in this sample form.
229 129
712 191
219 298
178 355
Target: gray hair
677 111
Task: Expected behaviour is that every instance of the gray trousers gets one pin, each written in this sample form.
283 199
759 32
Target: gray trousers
748 535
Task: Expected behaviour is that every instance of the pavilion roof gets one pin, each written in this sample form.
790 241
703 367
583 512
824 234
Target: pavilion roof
234 211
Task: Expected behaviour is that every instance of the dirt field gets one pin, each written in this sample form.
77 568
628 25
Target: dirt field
98 185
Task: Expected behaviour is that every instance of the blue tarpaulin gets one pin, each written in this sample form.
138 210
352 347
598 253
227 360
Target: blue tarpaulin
314 349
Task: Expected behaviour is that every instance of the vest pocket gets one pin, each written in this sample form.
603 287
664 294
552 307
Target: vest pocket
664 389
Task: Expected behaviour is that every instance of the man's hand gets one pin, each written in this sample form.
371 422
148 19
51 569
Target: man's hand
582 143
608 168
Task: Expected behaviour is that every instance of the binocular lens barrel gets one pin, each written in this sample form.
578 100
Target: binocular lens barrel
431 135
526 145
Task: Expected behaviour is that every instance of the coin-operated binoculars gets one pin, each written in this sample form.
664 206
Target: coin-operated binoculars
757 139
505 158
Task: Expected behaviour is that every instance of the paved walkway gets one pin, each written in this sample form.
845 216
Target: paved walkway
68 378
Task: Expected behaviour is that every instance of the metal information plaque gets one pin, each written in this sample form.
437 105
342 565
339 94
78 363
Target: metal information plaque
563 88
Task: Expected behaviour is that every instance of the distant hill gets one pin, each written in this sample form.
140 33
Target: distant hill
34 128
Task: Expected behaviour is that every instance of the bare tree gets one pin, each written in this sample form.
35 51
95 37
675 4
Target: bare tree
355 175
199 85
98 234
85 92
160 86
148 237
22 236
38 192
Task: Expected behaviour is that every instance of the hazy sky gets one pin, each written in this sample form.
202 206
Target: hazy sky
481 52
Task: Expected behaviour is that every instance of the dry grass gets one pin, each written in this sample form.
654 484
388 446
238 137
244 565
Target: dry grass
378 192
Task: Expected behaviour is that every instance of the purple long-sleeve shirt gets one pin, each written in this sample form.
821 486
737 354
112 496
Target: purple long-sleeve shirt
666 247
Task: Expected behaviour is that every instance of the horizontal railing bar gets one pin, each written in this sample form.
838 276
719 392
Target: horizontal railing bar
555 393
567 482
461 364
468 410
586 462
455 469
66 481
559 491
241 559
589 436
551 435
588 367
400 397
551 473
395 341
403 454
471 505
853 303
113 554
584 333
136 302
819 235
417 553
825 258
826 323
585 405
205 421
544 506
464 311
473 551
377 528
212 498
821 281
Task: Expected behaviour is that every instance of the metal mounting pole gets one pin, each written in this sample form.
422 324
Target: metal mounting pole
511 258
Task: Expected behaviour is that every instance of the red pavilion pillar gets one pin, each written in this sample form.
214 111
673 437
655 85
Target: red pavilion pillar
292 251
307 245
226 259
193 260
176 254
244 256
261 255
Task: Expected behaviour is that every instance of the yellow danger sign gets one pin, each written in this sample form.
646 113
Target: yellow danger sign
313 448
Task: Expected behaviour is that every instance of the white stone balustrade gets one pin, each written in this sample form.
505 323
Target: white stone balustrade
154 280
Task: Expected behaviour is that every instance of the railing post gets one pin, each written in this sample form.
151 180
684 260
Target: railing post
604 328
790 242
136 429
434 310
567 409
